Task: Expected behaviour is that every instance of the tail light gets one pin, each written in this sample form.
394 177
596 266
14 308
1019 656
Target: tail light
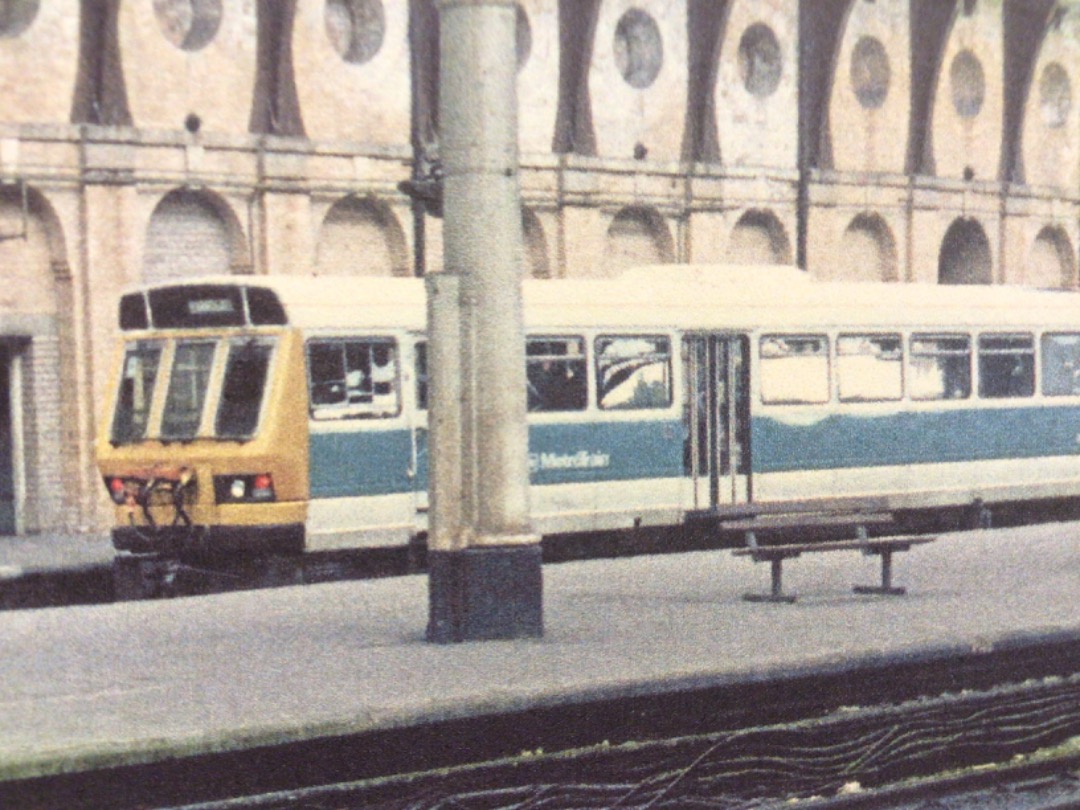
244 488
117 490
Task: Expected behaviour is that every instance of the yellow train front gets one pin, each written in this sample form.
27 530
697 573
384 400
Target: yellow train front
204 448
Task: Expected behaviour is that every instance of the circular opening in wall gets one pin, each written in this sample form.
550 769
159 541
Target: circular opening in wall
356 28
870 72
192 123
760 60
639 49
188 24
16 16
968 84
523 32
1055 95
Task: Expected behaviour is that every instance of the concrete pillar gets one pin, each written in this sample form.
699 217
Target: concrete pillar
485 579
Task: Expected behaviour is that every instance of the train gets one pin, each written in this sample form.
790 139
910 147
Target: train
261 415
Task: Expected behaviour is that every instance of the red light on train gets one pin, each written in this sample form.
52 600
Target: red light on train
117 490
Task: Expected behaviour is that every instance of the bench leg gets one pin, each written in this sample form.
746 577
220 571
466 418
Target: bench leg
886 588
777 593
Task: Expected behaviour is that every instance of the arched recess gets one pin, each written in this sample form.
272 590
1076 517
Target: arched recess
1051 262
867 251
965 255
759 238
193 233
638 236
42 477
361 236
536 251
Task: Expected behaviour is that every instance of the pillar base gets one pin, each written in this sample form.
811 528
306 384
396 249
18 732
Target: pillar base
485 594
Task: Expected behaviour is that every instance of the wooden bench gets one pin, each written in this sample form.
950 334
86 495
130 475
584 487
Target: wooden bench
883 547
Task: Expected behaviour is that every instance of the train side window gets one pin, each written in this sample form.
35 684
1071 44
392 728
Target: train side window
555 373
242 392
139 376
794 369
870 368
188 384
940 367
353 378
1061 364
1006 366
421 377
633 372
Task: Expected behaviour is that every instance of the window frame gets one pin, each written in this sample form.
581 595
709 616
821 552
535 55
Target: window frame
838 365
982 353
581 359
335 411
826 355
669 371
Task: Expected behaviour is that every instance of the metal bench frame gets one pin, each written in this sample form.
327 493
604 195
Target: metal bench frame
883 547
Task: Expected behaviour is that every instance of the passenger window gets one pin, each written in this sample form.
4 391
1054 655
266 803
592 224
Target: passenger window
870 368
794 369
633 372
140 370
1061 364
940 367
421 377
186 395
243 389
555 373
1006 366
353 378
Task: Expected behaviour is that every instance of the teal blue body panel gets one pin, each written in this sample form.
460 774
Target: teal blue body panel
368 462
915 437
361 462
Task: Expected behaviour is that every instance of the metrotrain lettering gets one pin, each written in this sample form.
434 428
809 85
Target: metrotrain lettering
581 460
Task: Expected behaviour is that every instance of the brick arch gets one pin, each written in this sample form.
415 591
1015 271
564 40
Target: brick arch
759 238
537 264
191 233
1050 261
361 236
867 251
638 235
965 256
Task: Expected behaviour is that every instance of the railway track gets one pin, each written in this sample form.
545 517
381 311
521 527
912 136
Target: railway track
847 735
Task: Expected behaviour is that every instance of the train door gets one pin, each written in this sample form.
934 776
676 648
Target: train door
418 470
718 419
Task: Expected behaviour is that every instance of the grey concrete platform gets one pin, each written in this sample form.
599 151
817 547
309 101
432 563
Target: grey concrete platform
130 683
40 553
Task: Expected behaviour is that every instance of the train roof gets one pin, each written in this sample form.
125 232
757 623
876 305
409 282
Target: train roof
694 297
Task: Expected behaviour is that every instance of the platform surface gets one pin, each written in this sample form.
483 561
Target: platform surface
129 683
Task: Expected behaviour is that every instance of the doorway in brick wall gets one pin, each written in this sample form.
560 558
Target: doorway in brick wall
8 522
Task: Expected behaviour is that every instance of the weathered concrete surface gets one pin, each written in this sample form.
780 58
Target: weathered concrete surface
138 682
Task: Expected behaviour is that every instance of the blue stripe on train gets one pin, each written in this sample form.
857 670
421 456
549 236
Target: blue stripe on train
918 437
378 462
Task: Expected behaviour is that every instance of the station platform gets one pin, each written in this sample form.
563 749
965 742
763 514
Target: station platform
43 553
140 682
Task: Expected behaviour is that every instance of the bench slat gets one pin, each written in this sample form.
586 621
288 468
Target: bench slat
795 521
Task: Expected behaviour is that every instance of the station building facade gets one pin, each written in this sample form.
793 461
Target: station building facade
140 140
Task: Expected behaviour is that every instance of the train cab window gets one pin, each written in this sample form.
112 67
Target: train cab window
794 369
355 378
870 368
242 392
188 384
940 367
421 376
1006 366
555 373
1061 364
633 372
141 363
